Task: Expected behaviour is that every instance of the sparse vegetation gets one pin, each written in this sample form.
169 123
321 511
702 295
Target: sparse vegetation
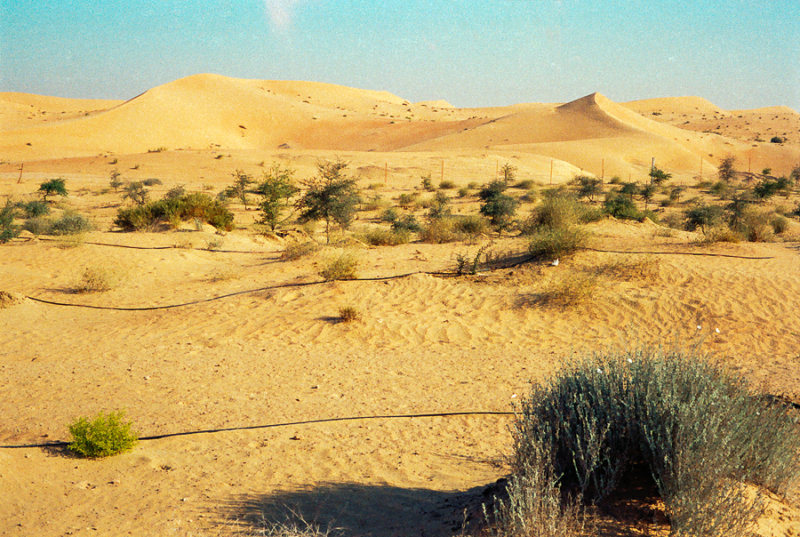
189 206
349 314
297 249
497 206
102 436
553 243
96 280
276 189
8 230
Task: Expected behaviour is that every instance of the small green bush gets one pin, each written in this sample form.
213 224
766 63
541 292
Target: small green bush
621 206
152 181
556 243
555 212
779 224
8 230
33 209
406 223
70 223
470 224
105 435
439 231
189 206
447 185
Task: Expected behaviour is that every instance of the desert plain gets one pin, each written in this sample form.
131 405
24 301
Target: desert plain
217 333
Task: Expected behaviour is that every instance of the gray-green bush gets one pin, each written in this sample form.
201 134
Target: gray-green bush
700 432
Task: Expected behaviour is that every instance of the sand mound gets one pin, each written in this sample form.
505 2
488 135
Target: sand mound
10 299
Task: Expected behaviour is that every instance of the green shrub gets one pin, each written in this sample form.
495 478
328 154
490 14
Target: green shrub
8 230
703 216
152 181
555 243
406 200
53 187
70 223
699 431
106 434
189 206
342 267
37 226
463 192
447 185
386 237
439 231
497 206
34 209
470 224
525 184
554 213
407 223
621 206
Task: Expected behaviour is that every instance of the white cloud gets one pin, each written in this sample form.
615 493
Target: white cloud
280 12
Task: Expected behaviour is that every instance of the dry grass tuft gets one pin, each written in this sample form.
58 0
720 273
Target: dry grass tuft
641 268
96 280
349 314
571 289
342 267
9 299
297 249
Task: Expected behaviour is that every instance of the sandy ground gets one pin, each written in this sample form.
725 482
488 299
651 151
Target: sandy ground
426 344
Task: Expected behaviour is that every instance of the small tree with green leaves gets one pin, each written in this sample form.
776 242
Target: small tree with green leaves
647 193
331 196
657 177
704 217
241 182
499 207
440 206
136 192
53 187
629 189
588 187
275 190
7 228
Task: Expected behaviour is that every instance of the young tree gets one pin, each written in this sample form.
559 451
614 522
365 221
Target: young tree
440 206
508 172
499 207
629 189
330 196
114 179
238 189
647 192
588 187
659 176
53 187
136 192
725 170
276 190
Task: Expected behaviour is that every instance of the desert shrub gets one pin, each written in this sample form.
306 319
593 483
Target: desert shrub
297 249
779 224
530 196
386 237
621 206
470 224
631 268
497 206
152 181
406 223
406 200
553 213
752 224
463 192
37 226
341 267
439 207
698 430
176 192
7 228
725 169
568 290
70 223
34 209
427 183
439 231
389 215
349 314
703 216
525 184
554 243
276 189
777 140
96 280
588 187
590 214
720 233
105 435
447 185
136 192
194 205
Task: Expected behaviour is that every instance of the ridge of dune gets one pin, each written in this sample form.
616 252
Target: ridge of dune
674 105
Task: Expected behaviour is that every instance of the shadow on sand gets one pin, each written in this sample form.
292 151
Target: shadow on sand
363 510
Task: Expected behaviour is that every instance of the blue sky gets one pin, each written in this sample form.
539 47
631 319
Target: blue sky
738 54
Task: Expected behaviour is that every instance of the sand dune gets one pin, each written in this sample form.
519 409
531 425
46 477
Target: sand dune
211 112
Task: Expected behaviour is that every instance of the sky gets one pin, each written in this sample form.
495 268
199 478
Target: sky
737 54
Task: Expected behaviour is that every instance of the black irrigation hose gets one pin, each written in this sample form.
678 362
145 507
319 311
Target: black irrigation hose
61 443
236 293
161 247
525 259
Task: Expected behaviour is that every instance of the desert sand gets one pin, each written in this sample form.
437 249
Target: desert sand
273 354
